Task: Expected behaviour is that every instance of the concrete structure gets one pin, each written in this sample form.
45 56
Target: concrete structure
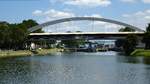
84 35
80 19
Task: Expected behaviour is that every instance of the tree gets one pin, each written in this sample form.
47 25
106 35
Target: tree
30 23
146 38
19 35
5 38
13 36
130 44
120 42
127 29
148 28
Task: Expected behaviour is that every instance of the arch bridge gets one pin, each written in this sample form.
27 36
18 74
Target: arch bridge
87 35
82 18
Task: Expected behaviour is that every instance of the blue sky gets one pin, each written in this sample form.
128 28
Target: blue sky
135 12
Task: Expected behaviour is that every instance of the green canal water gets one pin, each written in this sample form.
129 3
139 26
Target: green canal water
75 68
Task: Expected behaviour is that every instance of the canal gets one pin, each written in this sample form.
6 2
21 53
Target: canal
75 68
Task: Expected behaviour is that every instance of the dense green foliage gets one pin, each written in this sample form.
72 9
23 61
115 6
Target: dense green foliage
146 38
148 28
120 42
30 23
127 29
13 36
130 44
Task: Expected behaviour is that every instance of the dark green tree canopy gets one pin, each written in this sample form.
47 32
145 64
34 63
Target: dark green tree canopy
148 28
126 29
13 36
30 23
146 38
130 44
119 42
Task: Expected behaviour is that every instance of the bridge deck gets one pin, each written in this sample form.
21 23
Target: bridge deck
87 33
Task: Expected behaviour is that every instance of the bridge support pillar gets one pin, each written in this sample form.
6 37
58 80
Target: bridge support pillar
140 44
32 46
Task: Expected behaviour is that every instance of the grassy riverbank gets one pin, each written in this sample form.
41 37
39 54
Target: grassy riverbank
10 53
46 51
141 52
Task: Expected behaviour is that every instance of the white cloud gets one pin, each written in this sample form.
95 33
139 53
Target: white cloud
148 11
90 3
93 15
146 1
147 17
140 18
96 15
98 23
100 26
133 1
106 27
37 12
57 14
129 1
66 26
126 15
52 14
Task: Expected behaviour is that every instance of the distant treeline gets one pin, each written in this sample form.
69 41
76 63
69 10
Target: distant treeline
14 36
131 41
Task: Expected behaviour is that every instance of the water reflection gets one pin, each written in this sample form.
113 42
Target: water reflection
134 60
75 68
12 72
146 60
128 59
